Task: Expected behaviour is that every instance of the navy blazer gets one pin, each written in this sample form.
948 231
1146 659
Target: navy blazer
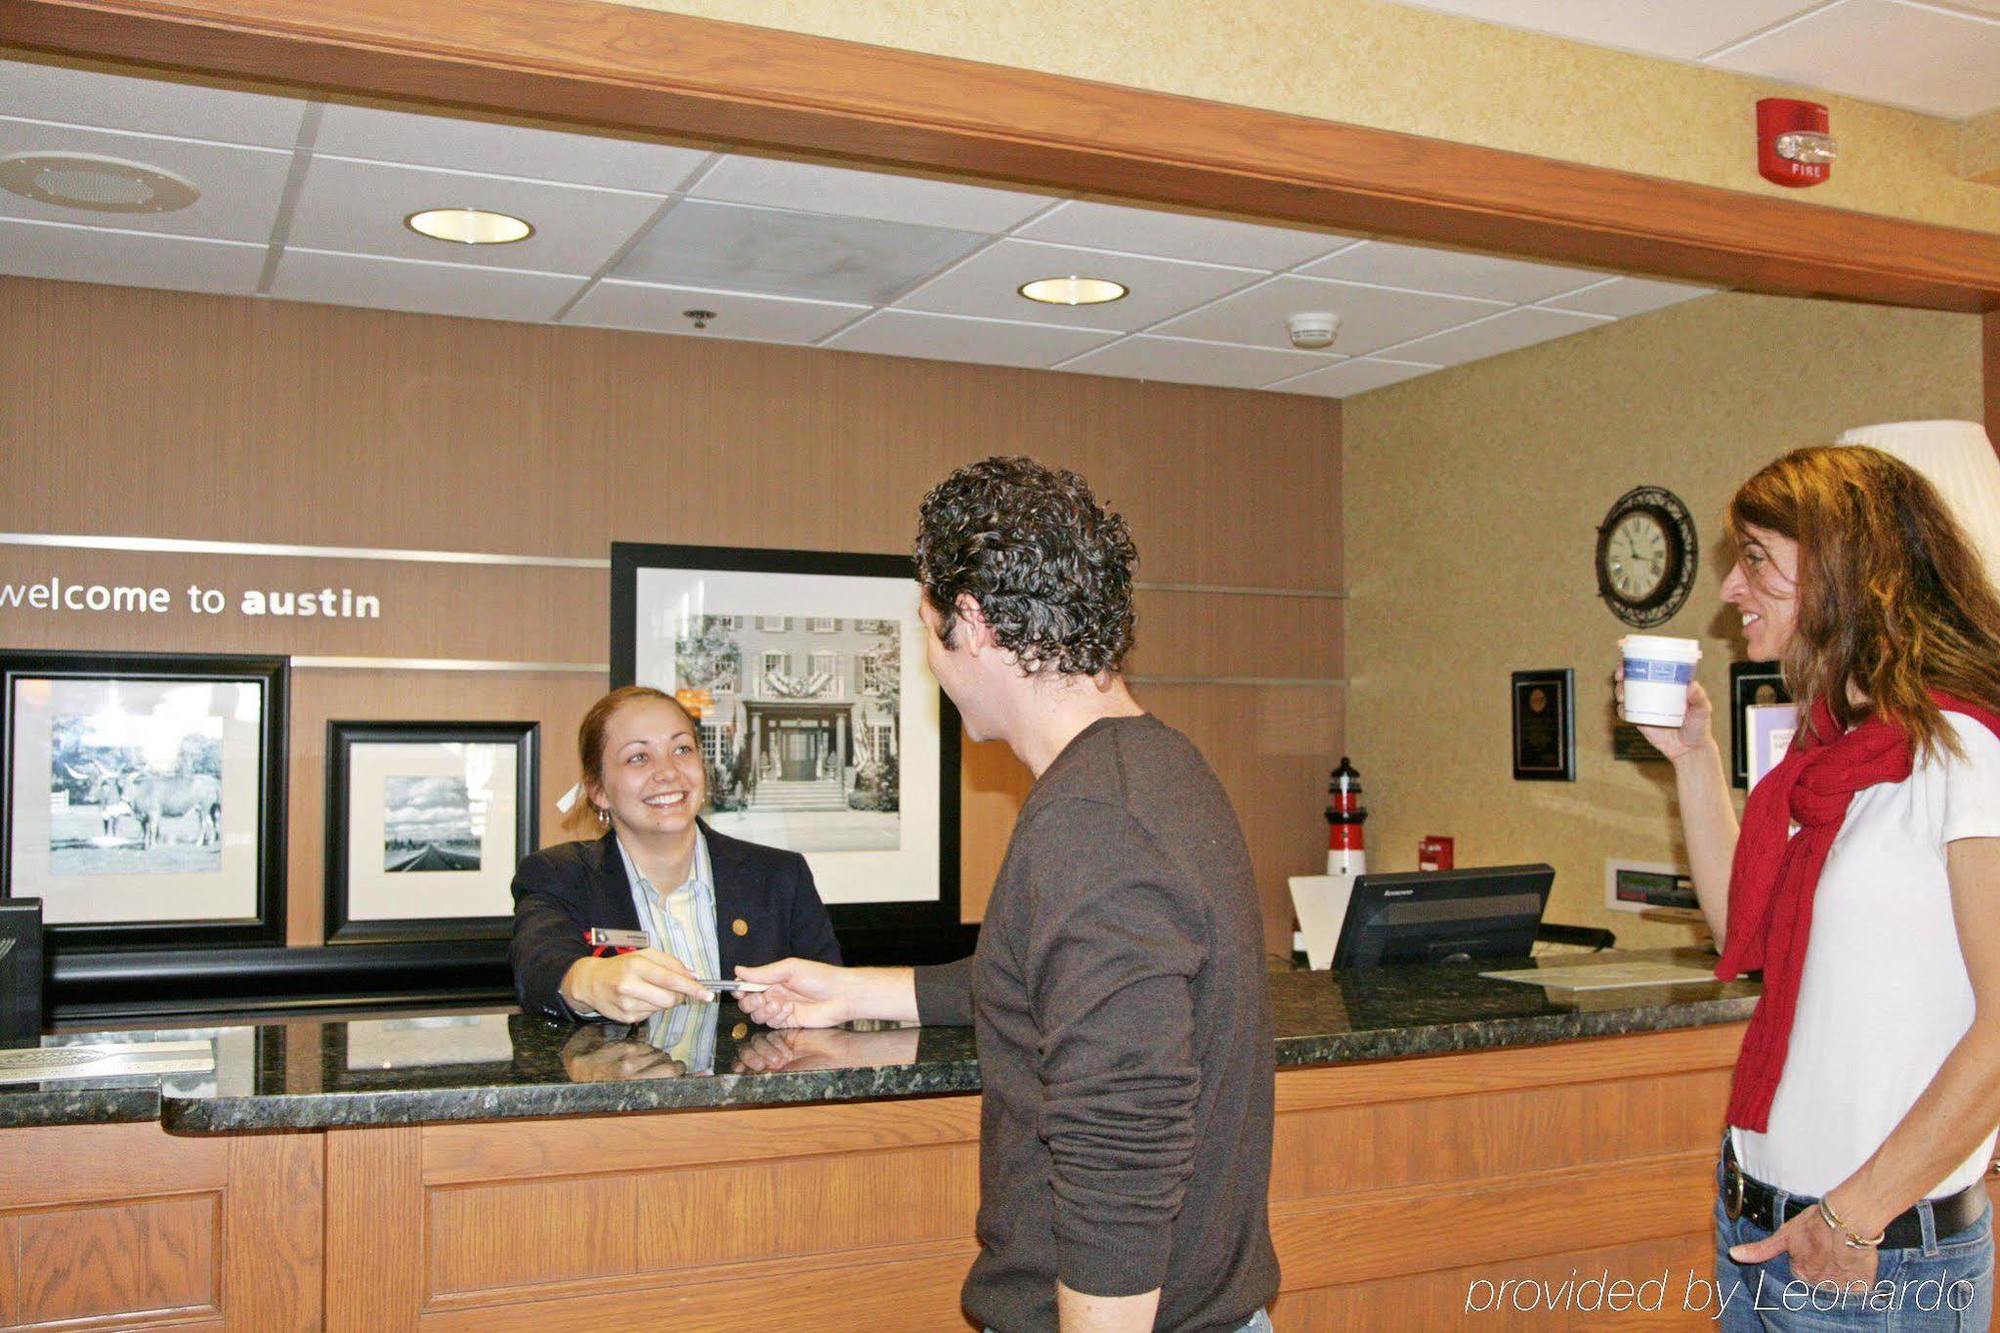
766 908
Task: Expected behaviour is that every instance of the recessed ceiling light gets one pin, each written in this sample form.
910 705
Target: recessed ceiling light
469 226
98 184
1073 290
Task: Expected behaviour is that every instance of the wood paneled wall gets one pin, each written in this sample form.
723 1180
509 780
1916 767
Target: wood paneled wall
142 413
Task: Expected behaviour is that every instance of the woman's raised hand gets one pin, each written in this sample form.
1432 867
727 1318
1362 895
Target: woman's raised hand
1692 735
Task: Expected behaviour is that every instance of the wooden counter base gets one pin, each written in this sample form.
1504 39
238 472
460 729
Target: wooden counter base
1395 1187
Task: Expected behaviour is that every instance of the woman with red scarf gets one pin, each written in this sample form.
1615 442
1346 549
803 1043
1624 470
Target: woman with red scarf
1865 885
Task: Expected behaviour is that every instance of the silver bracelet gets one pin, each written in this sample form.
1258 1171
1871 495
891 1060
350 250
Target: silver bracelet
1847 1238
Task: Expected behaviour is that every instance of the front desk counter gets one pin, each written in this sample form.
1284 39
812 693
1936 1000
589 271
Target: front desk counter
1436 1130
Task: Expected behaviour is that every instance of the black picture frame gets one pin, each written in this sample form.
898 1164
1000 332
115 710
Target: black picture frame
1543 706
908 931
1746 680
343 737
186 946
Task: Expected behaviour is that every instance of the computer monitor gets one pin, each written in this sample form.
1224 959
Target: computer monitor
1440 916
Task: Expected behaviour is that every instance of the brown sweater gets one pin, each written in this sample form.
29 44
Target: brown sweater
1125 1044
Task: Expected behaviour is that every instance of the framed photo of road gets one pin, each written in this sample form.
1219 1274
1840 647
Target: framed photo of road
425 822
144 797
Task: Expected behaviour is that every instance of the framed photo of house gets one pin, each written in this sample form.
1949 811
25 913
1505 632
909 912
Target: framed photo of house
425 822
823 728
144 798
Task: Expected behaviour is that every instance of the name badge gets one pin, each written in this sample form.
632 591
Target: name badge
607 943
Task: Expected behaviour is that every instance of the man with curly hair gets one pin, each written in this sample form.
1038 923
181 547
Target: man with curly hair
1118 990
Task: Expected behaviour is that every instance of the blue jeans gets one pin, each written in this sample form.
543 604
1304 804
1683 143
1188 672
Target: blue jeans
1946 1283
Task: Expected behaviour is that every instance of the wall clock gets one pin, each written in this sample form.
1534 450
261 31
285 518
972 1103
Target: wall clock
1646 556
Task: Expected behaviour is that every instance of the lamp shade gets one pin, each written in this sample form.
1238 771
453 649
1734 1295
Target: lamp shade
1959 460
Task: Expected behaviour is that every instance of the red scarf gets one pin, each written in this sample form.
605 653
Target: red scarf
1772 884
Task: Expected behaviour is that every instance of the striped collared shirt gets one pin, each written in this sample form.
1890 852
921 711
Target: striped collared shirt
681 923
686 1032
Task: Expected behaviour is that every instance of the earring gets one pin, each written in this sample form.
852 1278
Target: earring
603 817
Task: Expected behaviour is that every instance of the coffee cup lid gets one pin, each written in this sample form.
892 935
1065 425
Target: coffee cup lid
1659 645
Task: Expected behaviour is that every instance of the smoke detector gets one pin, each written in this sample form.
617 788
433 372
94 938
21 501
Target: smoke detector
1313 329
95 184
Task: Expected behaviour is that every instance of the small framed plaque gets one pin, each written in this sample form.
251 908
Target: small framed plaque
1545 725
1751 685
1629 746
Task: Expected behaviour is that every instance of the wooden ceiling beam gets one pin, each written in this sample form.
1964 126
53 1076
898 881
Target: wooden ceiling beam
615 68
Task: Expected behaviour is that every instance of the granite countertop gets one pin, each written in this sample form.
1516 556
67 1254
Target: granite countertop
497 1064
124 1098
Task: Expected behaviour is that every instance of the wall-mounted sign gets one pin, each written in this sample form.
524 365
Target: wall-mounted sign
55 594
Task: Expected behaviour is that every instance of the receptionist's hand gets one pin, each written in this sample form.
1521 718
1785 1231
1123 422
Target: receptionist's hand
633 986
1691 735
594 1054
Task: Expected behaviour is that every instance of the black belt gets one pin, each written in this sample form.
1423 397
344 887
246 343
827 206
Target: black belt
1746 1196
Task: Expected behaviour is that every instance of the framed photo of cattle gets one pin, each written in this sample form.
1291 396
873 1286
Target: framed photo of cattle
425 822
144 796
824 731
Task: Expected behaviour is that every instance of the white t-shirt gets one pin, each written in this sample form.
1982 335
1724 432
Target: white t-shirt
1884 995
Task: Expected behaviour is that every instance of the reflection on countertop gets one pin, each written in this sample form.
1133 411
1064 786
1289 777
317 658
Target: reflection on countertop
411 1068
124 1098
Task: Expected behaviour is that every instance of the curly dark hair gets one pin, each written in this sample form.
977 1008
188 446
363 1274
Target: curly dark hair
1048 566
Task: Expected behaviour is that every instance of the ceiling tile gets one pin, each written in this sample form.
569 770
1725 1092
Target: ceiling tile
116 102
1682 29
1451 272
995 342
989 285
1352 377
503 150
1146 231
1502 333
880 195
128 259
481 292
358 208
1185 361
739 248
1371 318
241 188
1628 296
632 305
1916 56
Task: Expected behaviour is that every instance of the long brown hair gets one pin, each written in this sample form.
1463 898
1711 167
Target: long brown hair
1892 597
590 745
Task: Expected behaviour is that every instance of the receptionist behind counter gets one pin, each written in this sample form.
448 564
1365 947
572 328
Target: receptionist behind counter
702 902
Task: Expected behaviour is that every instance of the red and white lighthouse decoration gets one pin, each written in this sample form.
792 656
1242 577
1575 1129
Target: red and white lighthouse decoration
1344 852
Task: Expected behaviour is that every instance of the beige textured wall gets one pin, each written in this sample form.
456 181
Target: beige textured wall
1367 62
1979 149
1472 498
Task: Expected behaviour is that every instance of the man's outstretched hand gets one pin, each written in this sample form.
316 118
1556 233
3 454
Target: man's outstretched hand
802 994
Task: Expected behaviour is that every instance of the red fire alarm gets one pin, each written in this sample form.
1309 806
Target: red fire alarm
1793 147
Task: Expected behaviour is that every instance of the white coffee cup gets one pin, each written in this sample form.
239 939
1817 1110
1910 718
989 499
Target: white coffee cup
1658 671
